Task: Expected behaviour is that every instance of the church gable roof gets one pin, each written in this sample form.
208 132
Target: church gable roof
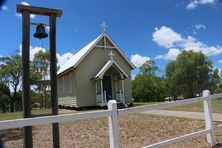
80 55
108 64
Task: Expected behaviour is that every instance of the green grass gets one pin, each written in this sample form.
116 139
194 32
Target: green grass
145 103
198 107
18 115
193 107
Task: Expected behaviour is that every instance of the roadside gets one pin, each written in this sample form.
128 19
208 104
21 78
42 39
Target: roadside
184 114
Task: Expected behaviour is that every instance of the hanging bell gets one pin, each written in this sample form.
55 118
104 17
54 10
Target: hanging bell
40 32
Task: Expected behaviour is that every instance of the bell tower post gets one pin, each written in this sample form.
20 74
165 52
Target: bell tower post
52 14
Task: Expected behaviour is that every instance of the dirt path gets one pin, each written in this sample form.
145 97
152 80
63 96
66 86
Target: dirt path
184 114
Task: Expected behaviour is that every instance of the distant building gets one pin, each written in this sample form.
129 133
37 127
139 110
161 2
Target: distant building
97 73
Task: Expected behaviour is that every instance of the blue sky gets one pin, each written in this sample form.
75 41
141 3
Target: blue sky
145 29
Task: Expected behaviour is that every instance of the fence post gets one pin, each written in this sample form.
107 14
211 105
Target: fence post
208 119
113 124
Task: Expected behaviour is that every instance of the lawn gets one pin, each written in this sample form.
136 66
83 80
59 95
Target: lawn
198 107
145 103
134 131
17 115
194 107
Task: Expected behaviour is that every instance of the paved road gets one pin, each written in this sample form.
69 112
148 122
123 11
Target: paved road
184 114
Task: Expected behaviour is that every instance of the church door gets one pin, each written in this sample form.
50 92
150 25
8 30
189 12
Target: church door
107 86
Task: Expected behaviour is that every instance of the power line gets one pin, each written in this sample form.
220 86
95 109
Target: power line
212 51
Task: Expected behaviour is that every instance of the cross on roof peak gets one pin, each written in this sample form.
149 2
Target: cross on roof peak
111 54
104 26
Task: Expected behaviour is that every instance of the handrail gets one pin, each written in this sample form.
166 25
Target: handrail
7 124
166 105
112 114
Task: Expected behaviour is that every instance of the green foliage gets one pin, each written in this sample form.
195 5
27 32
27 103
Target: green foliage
171 87
11 76
147 86
149 68
4 97
218 88
188 75
10 73
40 71
215 82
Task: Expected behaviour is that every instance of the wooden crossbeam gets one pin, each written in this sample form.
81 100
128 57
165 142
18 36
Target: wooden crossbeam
39 10
40 115
41 82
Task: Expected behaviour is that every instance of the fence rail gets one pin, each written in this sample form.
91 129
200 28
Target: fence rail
112 113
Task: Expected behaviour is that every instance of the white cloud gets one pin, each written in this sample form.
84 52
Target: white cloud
195 3
47 28
61 58
25 3
166 37
33 51
19 15
139 60
182 43
171 55
4 7
200 26
191 43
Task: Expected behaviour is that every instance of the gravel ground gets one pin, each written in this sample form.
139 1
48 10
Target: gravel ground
134 131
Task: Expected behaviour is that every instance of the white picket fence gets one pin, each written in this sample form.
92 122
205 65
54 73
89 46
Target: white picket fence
112 113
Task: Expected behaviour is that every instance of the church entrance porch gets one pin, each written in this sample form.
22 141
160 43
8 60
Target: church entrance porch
109 83
104 91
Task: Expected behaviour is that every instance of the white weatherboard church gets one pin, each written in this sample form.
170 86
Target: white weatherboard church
97 73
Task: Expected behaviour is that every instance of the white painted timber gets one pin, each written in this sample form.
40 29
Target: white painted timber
113 124
108 47
113 114
52 119
107 66
177 139
165 105
208 118
218 127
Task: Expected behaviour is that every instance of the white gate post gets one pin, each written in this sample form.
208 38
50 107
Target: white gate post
208 119
113 124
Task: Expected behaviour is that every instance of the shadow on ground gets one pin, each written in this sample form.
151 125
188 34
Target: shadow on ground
218 145
11 134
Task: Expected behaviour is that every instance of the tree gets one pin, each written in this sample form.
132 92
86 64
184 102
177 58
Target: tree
40 71
147 86
149 67
4 97
171 87
189 74
214 80
10 74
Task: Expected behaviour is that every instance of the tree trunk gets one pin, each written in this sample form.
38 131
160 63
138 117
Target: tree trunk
12 109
